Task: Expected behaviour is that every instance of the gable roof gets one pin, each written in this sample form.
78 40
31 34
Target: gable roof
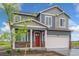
51 8
62 11
37 14
39 23
26 14
33 21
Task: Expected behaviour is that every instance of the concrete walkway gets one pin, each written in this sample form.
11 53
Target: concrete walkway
74 52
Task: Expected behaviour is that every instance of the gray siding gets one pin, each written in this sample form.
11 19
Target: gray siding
58 33
53 11
42 18
38 18
55 22
23 17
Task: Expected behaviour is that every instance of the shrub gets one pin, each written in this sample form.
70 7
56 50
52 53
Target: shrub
18 50
29 50
8 51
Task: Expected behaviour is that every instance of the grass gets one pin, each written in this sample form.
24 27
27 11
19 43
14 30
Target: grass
5 44
75 44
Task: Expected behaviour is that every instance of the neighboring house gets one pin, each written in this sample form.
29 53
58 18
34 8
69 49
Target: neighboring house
48 29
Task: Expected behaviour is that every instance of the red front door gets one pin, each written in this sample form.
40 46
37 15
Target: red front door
37 40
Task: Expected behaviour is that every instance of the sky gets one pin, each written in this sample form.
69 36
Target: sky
71 9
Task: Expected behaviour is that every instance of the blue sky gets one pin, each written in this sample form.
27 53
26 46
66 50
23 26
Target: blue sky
71 9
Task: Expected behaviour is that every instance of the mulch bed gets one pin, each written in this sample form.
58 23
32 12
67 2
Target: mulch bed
32 53
37 53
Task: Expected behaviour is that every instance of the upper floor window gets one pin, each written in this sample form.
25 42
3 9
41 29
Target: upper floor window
48 20
24 17
62 22
17 18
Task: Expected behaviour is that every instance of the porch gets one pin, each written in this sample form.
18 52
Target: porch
34 39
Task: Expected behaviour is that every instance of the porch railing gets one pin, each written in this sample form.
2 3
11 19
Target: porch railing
22 44
27 44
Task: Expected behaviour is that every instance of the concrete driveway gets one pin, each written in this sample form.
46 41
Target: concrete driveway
67 52
74 52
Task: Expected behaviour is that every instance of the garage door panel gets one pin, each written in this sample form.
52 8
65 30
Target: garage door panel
57 41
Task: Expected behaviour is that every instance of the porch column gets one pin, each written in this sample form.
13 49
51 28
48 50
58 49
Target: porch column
45 38
30 38
13 30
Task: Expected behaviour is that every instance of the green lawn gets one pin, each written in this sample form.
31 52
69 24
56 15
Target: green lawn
5 44
75 44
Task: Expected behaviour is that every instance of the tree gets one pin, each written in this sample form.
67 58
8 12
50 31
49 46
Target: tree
5 36
8 10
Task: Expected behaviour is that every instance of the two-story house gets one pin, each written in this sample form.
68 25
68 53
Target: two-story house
48 29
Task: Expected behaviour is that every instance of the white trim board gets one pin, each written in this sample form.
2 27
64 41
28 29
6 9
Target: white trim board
31 20
63 22
30 26
35 26
51 8
48 21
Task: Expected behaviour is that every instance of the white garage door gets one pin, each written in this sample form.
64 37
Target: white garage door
57 41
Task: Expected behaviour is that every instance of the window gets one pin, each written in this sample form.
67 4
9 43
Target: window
22 37
62 22
48 20
24 17
17 18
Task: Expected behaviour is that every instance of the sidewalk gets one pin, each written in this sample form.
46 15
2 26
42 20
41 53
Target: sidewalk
74 52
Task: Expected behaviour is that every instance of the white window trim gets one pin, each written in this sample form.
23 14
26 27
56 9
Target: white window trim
17 16
14 18
48 21
64 23
24 17
20 17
